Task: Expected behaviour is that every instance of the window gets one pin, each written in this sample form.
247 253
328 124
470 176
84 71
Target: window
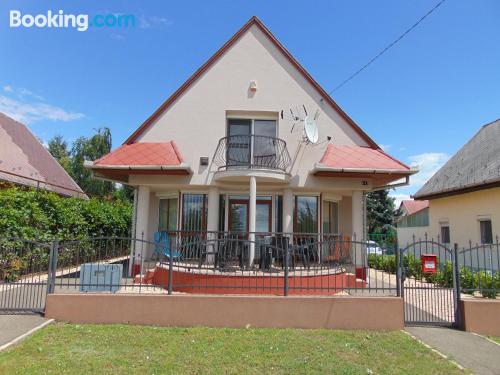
168 214
194 212
445 233
486 231
251 142
306 215
330 217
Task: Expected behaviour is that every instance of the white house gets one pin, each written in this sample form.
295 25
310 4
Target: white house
224 153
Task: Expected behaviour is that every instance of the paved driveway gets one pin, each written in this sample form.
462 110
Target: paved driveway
13 326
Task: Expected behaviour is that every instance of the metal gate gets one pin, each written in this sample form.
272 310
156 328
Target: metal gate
428 301
24 275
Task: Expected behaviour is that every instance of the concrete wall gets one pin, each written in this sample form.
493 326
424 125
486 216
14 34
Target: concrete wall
481 316
463 212
375 313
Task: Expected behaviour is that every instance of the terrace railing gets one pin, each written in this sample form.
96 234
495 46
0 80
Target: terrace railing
252 152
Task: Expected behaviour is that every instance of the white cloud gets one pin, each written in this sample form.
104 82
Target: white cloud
398 198
428 164
150 22
117 36
21 92
28 112
385 147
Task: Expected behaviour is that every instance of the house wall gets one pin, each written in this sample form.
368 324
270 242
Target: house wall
463 212
197 120
405 235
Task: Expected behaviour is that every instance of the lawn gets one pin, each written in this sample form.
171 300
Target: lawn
496 339
121 349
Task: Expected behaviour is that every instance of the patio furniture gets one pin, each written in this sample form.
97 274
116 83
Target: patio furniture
163 247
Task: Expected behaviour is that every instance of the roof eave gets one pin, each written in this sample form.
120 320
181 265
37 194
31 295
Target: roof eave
324 168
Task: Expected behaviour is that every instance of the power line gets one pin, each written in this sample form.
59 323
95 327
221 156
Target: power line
388 47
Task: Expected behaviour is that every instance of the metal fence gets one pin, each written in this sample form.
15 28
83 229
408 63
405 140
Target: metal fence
249 263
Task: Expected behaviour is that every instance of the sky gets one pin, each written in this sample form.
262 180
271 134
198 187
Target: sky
421 101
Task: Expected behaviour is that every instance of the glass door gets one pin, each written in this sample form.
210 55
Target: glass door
239 142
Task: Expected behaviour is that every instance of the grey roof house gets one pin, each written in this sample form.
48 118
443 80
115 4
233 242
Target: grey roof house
24 161
475 166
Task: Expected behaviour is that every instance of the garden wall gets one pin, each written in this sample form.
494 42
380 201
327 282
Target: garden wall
341 312
481 316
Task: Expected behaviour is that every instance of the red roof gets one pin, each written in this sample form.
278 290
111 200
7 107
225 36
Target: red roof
357 157
215 57
412 206
142 154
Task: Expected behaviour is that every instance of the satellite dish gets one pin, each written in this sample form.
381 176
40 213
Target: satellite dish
311 130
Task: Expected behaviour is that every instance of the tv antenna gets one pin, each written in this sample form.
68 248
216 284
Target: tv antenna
300 116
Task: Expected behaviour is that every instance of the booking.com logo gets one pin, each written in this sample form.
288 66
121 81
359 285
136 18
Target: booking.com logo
80 22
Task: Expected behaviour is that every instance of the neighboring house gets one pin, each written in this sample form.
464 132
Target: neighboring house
413 224
464 195
218 155
25 162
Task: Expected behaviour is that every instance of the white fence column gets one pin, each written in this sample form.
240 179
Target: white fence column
358 254
252 214
288 211
142 222
212 221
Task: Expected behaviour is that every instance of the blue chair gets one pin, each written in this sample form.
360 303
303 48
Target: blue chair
162 246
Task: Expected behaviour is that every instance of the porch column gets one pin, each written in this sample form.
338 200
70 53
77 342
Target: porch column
212 220
142 223
288 211
252 208
358 234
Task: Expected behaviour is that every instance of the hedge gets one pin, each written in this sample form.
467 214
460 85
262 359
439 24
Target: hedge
43 216
469 280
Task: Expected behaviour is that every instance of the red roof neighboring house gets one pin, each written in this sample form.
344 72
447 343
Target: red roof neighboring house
356 161
24 161
411 207
138 158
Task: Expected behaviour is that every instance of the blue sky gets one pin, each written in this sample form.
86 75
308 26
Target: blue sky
422 100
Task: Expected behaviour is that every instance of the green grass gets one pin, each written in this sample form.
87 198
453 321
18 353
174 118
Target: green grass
121 349
496 339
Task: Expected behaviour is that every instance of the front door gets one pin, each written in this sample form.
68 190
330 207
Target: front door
239 215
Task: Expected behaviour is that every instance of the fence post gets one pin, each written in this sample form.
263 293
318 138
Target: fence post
398 270
170 271
51 276
287 259
456 284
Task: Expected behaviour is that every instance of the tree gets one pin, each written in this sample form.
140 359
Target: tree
381 212
91 149
58 148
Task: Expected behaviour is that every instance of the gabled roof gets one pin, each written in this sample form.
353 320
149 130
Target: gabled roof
475 166
24 161
411 206
364 162
257 22
143 157
142 154
357 157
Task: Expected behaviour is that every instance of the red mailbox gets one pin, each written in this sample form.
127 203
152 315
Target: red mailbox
429 263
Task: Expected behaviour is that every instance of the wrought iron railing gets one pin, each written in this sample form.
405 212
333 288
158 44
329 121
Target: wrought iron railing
252 152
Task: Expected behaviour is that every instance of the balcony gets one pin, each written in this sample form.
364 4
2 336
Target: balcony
251 152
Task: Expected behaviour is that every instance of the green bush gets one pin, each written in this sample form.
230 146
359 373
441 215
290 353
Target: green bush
469 279
41 215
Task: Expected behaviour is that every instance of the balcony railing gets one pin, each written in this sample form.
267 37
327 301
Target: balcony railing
252 152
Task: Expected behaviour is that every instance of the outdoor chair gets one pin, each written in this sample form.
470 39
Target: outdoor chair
163 247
